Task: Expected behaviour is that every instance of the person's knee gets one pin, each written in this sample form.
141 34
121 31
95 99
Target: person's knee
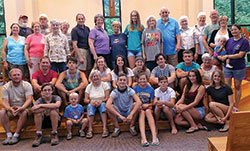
85 120
148 112
69 123
212 105
53 112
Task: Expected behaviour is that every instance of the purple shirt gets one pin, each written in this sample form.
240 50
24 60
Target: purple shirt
101 40
234 47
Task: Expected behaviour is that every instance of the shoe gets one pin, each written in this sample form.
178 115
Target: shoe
155 142
37 140
69 136
89 134
229 66
144 143
14 140
6 141
224 128
105 133
192 130
82 134
116 132
133 131
54 139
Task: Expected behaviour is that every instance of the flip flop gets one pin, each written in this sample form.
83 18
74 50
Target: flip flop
204 128
192 130
224 129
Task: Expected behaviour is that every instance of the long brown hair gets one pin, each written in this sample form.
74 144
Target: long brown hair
95 65
198 80
222 80
138 22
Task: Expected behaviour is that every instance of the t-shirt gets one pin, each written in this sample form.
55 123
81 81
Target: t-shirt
165 96
118 44
36 45
185 68
134 38
81 35
123 101
220 95
74 112
166 71
101 40
151 39
234 47
114 76
222 52
16 95
54 99
41 78
145 94
209 29
97 93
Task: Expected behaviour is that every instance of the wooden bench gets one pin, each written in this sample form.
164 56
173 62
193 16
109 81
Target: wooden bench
238 138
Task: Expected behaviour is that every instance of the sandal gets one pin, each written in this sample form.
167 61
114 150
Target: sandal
224 129
105 133
155 142
192 130
144 143
89 134
202 127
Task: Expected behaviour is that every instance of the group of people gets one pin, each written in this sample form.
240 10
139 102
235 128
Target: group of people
162 59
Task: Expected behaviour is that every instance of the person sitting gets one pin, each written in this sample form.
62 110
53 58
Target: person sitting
163 69
139 69
71 80
121 67
164 102
146 95
75 116
190 106
220 97
16 100
44 75
96 95
120 105
183 68
46 114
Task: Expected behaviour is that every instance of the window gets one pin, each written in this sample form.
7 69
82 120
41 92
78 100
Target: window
111 12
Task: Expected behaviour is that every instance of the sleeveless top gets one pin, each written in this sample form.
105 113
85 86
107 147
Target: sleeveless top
15 54
190 97
71 82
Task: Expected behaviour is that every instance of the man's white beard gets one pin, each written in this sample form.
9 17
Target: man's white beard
23 24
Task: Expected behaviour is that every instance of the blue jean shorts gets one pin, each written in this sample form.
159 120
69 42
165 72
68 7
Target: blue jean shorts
91 109
132 53
202 111
236 74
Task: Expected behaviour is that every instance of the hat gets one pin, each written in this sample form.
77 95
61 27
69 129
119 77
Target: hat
139 58
23 16
44 16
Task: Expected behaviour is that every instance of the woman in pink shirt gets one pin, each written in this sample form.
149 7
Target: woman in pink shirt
34 48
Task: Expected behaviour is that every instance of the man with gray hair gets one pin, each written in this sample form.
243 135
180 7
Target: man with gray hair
171 36
43 19
16 100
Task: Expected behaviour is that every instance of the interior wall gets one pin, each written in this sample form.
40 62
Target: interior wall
67 9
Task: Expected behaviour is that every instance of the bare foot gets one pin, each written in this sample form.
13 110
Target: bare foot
174 131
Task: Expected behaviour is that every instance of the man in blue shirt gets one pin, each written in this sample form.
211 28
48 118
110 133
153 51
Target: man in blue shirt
171 36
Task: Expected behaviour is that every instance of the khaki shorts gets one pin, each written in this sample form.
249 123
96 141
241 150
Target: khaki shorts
11 117
172 59
86 58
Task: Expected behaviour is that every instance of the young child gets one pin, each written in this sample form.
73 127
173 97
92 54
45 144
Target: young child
219 50
75 116
164 101
146 95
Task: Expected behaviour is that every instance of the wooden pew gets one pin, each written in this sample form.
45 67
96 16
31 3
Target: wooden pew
238 138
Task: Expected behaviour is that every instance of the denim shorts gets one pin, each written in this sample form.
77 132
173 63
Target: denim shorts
91 109
132 53
236 74
201 110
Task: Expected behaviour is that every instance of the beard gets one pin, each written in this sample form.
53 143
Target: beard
23 24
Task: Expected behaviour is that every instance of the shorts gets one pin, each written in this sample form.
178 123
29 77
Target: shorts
132 53
46 123
172 59
58 66
202 111
163 115
87 65
24 68
125 114
79 124
11 117
151 65
91 109
236 74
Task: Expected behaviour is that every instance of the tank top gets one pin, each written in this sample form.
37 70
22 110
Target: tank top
190 97
15 53
71 82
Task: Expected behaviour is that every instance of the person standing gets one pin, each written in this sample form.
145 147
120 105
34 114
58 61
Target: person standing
25 31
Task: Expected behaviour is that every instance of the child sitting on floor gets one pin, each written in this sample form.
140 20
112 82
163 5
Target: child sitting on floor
75 116
164 101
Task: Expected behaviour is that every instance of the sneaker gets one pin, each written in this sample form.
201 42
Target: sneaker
6 141
69 136
133 131
37 140
116 132
155 142
14 140
229 66
82 134
54 139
